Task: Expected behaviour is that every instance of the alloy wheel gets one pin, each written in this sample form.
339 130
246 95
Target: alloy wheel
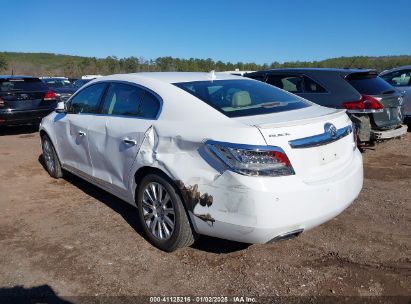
158 211
48 156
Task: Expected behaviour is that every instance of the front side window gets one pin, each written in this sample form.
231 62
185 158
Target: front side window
243 97
398 78
123 99
87 100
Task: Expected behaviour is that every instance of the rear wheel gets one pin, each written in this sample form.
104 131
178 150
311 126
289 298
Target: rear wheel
162 214
50 158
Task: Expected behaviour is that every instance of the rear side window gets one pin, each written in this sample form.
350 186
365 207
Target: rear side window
58 83
122 99
150 106
236 98
293 84
398 78
130 100
310 86
87 100
369 84
22 84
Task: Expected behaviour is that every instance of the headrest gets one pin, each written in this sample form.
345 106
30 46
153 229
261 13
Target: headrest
241 99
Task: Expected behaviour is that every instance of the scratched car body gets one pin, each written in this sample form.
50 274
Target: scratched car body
207 154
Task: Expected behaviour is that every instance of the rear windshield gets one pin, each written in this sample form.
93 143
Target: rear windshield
22 84
369 84
58 83
236 98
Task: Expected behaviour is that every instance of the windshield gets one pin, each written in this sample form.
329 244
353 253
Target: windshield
58 83
236 98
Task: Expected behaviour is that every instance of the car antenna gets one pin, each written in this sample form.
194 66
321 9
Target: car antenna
212 75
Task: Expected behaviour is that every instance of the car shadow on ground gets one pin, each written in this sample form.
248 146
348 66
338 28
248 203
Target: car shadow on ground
17 130
37 294
129 214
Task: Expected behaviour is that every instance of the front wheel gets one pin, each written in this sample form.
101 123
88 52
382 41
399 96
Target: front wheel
50 158
162 214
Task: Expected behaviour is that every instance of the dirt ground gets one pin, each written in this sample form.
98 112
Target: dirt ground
69 238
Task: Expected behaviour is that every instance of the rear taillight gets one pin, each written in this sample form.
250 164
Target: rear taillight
50 95
366 102
252 160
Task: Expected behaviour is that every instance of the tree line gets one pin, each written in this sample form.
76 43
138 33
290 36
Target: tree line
46 64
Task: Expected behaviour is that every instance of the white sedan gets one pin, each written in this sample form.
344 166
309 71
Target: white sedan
207 153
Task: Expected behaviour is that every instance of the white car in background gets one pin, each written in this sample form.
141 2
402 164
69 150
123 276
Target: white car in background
207 153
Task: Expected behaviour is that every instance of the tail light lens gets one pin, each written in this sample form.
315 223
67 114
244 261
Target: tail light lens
366 102
50 95
252 160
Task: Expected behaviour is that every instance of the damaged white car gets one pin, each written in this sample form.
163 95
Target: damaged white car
207 153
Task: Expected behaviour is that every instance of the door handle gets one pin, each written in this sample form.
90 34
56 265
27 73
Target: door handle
129 141
81 133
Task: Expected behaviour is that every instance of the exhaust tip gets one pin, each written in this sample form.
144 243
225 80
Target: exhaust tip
287 235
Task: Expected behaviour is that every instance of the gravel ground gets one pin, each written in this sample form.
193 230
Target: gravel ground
69 238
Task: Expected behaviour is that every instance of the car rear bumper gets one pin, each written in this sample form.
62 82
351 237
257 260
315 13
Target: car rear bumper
10 117
387 134
257 210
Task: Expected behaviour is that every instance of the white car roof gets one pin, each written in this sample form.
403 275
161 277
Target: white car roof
176 101
172 77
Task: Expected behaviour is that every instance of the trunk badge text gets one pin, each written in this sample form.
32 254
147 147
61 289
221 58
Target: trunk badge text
278 135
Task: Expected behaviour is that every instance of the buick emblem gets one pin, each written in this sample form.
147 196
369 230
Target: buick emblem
330 129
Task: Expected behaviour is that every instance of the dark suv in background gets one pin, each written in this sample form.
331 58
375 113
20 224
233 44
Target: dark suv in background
24 100
374 106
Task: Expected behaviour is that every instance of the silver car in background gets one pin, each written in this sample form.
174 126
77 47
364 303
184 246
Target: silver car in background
400 78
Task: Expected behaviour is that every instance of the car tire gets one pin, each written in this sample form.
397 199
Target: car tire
50 158
154 210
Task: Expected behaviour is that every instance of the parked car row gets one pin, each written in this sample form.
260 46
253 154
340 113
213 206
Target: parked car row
375 107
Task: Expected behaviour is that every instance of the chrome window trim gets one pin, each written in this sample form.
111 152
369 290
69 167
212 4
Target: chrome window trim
320 139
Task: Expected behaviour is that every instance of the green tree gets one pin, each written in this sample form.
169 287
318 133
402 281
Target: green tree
3 63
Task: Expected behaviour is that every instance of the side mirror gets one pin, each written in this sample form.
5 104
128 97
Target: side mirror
61 107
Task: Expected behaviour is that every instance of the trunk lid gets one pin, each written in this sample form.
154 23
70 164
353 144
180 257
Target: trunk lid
289 130
392 114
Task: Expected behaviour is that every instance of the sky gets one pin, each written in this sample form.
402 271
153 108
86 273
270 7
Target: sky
260 31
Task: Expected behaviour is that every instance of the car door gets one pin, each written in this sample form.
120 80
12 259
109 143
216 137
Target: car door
117 133
72 129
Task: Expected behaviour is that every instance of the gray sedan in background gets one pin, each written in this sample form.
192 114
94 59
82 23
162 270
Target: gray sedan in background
400 78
